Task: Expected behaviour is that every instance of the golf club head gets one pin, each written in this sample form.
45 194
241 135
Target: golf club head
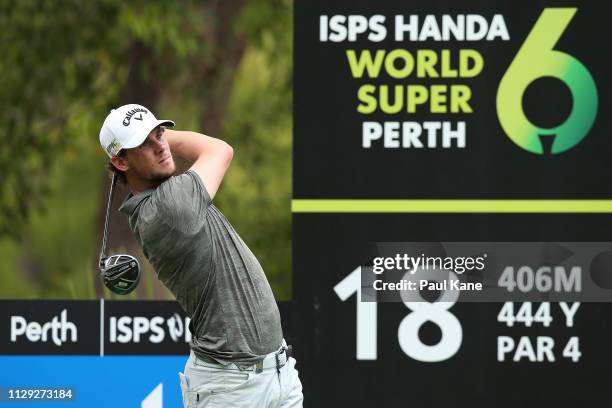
120 273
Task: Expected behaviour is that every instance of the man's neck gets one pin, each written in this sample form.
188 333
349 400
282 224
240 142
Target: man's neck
139 185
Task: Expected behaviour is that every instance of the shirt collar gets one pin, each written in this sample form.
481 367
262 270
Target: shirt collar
132 201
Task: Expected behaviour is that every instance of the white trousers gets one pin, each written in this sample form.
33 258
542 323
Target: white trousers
210 385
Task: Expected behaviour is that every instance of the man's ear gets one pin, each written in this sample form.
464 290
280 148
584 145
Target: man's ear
120 163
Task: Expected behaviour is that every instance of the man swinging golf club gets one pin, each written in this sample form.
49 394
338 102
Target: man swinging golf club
238 355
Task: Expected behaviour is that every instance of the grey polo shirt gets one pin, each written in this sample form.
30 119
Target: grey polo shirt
215 277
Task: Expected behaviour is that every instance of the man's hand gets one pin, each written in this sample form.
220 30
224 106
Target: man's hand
210 157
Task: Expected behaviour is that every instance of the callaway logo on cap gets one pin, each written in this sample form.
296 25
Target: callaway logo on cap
128 126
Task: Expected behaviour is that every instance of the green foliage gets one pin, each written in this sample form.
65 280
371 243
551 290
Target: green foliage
256 193
48 70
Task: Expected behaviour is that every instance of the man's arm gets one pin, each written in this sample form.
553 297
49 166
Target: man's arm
210 157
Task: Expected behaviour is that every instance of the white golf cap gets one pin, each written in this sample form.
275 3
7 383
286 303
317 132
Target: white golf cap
128 126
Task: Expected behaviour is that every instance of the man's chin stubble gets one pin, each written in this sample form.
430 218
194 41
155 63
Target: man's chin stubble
160 178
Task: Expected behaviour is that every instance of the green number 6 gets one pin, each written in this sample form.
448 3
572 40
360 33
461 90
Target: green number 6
537 59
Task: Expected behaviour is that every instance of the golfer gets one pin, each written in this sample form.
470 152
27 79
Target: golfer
238 355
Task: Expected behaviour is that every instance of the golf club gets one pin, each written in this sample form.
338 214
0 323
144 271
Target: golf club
120 273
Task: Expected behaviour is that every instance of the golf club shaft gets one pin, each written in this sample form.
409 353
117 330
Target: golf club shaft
107 219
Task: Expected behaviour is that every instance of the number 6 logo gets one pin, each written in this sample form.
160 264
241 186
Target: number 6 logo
537 59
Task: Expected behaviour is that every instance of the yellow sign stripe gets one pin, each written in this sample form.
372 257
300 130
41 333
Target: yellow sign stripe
450 206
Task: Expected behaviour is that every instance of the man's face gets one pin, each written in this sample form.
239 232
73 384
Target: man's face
152 160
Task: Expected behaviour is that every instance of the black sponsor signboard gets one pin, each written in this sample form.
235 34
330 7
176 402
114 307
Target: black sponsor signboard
440 121
56 327
145 327
521 89
49 327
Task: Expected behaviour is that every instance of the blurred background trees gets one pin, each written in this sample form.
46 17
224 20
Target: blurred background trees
219 67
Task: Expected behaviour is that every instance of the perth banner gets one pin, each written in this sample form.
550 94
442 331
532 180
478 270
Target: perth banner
450 99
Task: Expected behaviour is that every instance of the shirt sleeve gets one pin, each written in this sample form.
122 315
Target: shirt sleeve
182 201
